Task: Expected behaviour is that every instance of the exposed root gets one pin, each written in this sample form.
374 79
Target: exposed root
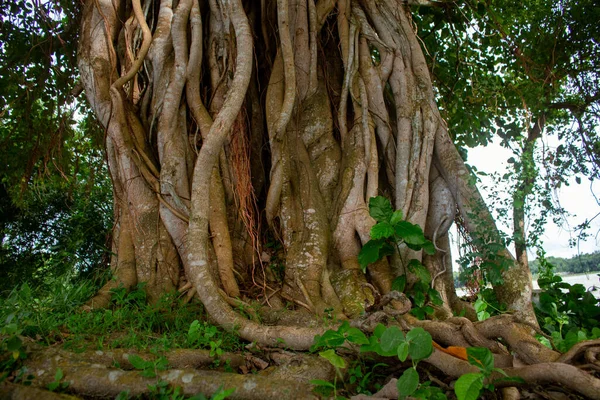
98 381
11 391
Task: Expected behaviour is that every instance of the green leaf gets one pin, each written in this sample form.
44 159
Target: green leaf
14 343
481 358
435 297
390 339
482 316
379 330
222 394
408 382
382 230
380 208
468 386
58 375
418 312
419 299
321 382
420 271
429 248
355 335
410 233
138 362
369 253
399 283
373 346
480 305
420 344
396 217
330 338
335 360
403 351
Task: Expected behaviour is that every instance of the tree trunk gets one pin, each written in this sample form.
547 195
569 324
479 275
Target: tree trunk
215 111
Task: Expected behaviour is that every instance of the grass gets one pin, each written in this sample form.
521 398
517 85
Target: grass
56 317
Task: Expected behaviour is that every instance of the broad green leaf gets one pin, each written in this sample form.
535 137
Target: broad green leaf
329 339
420 344
138 362
382 230
480 305
481 358
399 283
344 327
468 386
408 382
373 346
380 208
418 312
10 329
419 299
386 250
429 248
335 360
410 233
390 339
369 253
483 315
403 351
355 335
13 343
379 329
420 271
396 217
435 297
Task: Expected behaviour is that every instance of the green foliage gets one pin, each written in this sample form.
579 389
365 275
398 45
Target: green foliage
149 368
55 196
388 342
390 231
569 313
469 386
57 385
56 317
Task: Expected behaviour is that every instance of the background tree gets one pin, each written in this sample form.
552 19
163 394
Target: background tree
55 208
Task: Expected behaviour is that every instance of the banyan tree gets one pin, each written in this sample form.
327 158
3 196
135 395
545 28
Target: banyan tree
245 140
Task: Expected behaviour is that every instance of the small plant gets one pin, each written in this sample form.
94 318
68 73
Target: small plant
57 385
388 342
469 386
388 234
12 344
149 368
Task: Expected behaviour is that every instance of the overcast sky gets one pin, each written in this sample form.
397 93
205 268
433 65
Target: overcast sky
577 199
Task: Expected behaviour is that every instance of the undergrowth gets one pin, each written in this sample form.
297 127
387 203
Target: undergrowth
56 317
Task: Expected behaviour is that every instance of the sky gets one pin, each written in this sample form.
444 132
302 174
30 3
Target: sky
577 199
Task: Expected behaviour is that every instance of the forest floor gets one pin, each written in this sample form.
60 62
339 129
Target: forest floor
51 348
